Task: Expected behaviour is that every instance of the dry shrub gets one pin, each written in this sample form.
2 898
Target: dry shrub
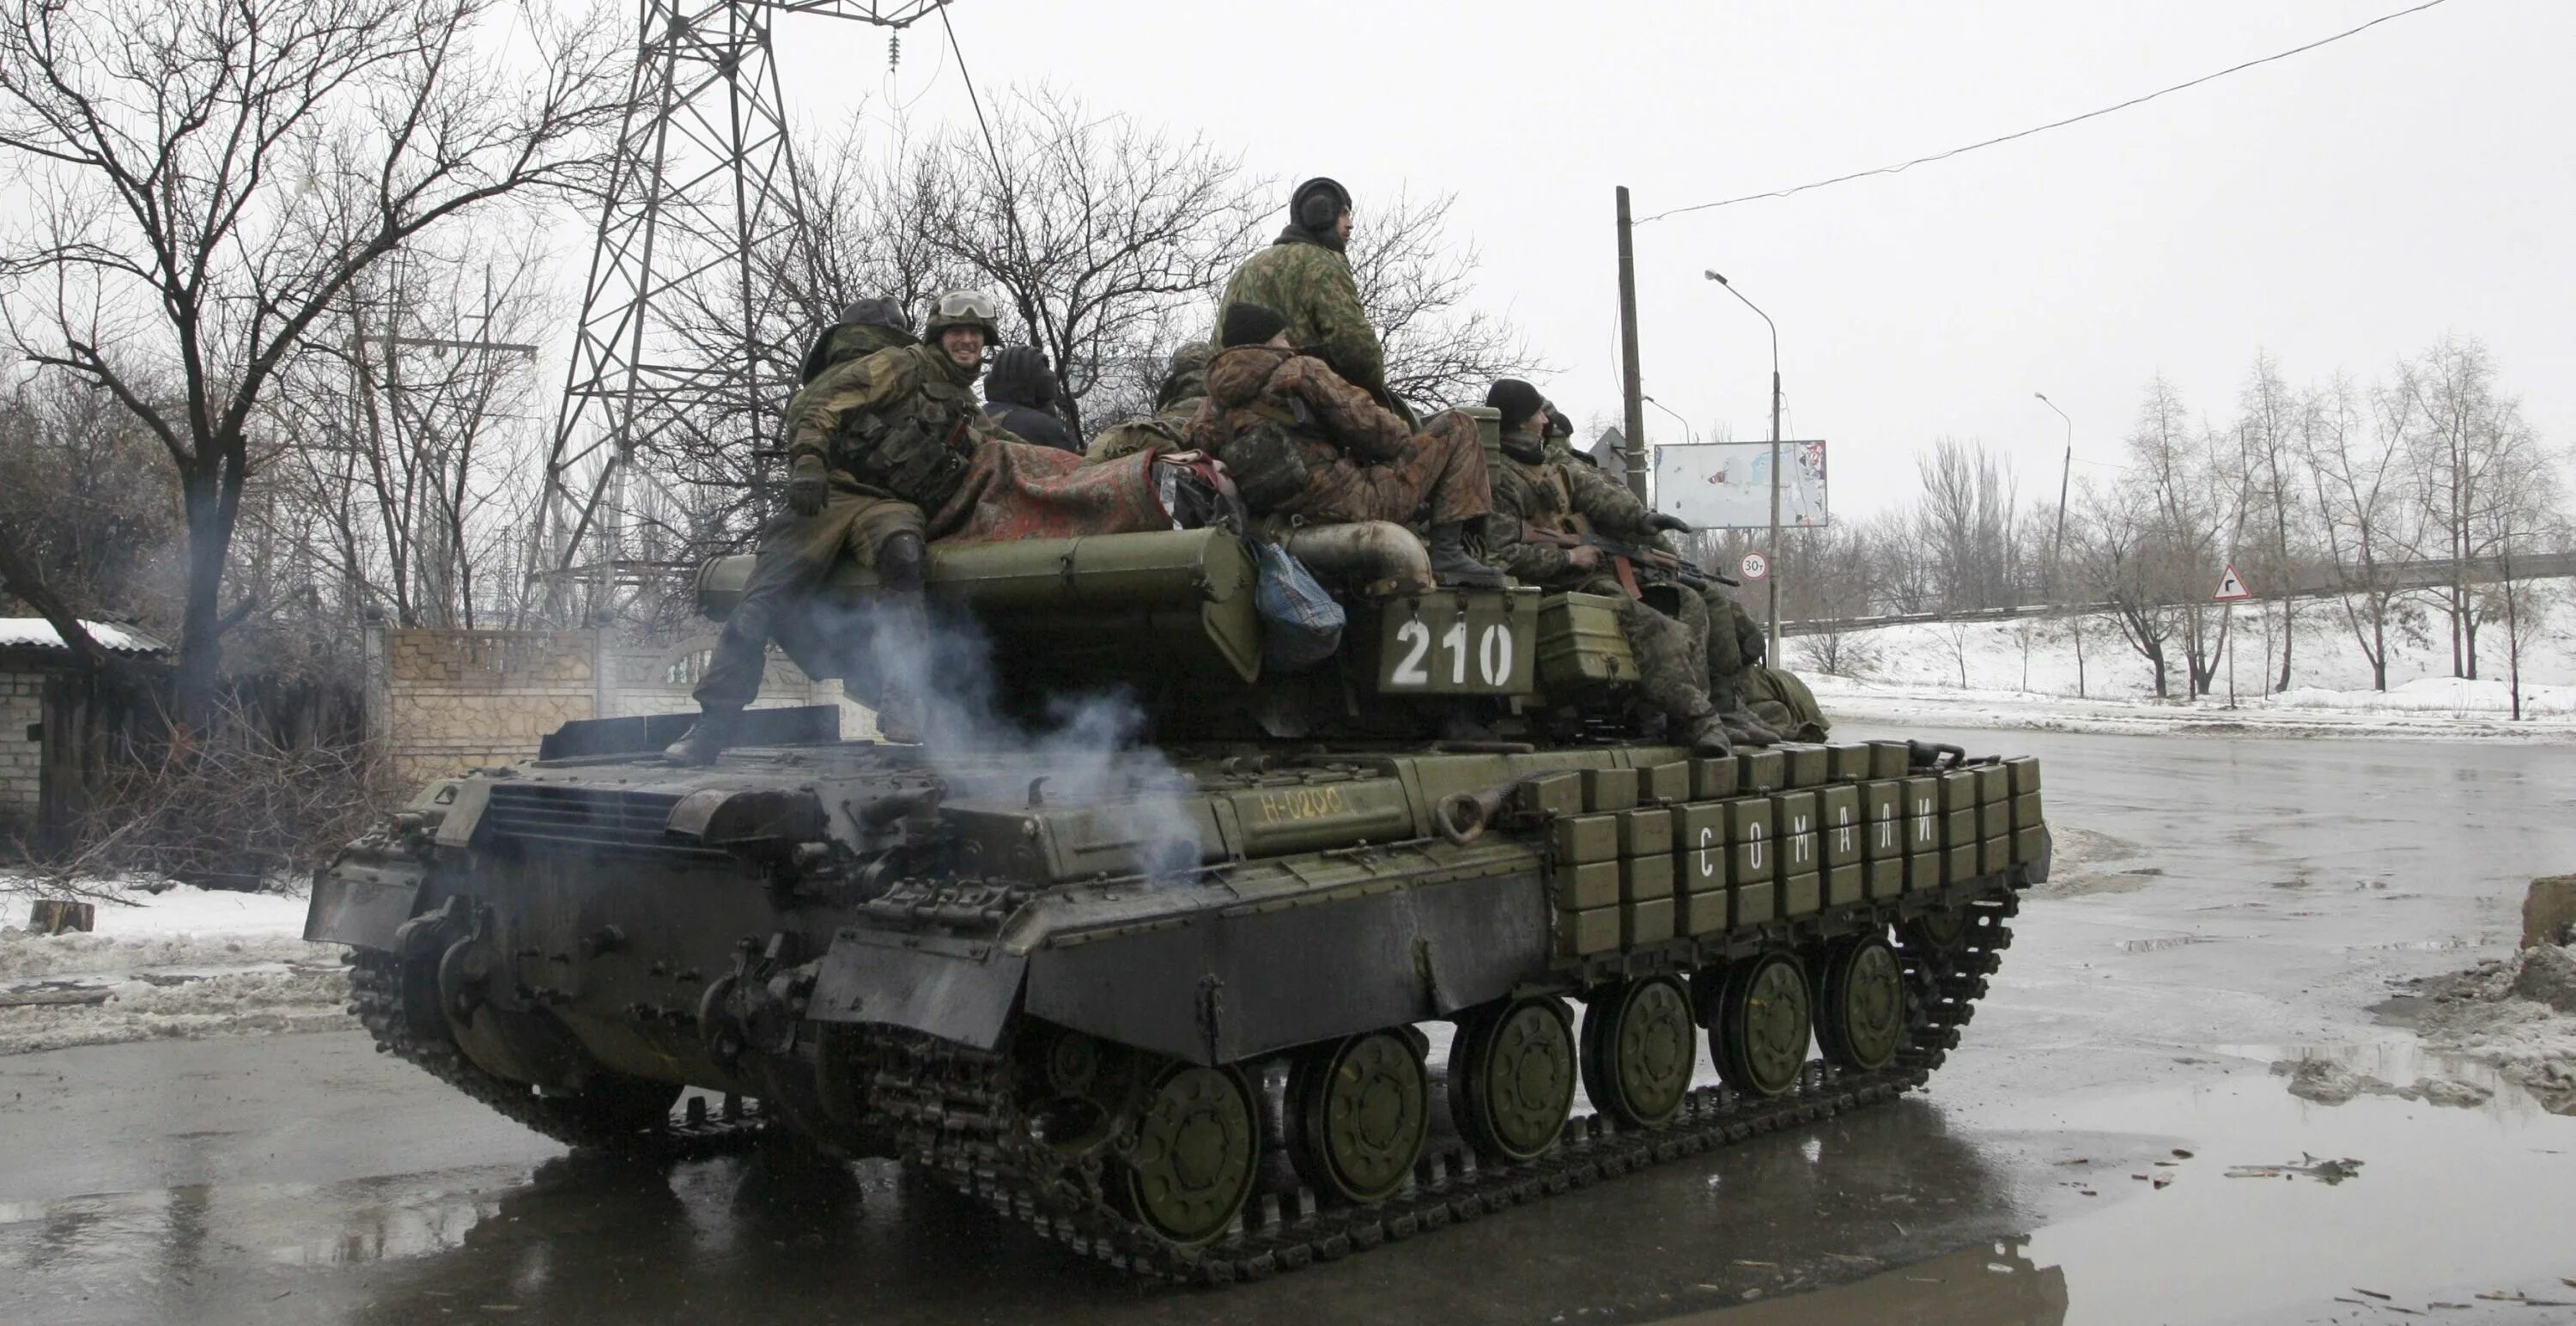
229 808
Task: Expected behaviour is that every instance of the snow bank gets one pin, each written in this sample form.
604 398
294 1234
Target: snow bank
182 962
2025 674
2493 1013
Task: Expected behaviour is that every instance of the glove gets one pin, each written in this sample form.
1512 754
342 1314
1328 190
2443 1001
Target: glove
1662 524
808 483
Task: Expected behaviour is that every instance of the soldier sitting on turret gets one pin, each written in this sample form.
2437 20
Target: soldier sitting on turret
1304 445
1542 490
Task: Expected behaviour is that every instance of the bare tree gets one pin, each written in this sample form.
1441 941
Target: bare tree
2471 452
414 438
1102 233
2355 452
2116 554
1966 523
1415 280
2275 513
207 180
2191 496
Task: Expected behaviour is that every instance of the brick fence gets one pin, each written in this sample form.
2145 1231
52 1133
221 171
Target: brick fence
447 700
22 712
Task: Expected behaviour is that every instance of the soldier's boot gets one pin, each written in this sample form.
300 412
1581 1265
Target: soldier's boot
1747 729
717 728
1451 565
1709 734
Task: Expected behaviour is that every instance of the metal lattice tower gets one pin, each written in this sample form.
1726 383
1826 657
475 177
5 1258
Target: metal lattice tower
702 180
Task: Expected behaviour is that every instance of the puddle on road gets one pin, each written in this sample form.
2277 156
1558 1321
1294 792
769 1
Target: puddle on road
2159 943
1890 1215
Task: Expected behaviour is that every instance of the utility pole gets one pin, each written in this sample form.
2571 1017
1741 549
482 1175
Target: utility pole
1771 582
2066 467
1631 394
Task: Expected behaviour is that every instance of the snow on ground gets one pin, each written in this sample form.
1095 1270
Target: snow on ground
182 962
2025 674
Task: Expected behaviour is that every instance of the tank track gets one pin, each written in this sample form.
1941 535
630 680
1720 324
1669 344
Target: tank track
375 987
958 1123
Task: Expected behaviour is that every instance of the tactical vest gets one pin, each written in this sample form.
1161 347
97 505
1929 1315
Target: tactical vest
918 448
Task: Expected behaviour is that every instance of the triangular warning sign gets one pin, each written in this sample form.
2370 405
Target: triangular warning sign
2231 589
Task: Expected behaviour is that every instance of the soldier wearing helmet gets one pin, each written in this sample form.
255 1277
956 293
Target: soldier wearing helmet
873 441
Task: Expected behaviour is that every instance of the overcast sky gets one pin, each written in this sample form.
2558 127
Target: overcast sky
2341 209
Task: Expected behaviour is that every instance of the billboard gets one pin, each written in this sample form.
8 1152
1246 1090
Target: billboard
1727 485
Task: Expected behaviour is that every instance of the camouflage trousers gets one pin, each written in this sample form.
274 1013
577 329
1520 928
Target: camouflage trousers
796 555
1734 645
1443 467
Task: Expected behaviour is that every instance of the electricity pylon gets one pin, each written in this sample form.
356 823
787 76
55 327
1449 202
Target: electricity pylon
703 179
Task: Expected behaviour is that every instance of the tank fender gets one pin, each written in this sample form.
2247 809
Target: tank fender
956 989
1228 985
361 899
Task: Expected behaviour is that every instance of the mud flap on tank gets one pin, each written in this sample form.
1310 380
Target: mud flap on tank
362 904
956 989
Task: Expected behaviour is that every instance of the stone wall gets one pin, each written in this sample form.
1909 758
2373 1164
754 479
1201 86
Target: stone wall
22 709
448 700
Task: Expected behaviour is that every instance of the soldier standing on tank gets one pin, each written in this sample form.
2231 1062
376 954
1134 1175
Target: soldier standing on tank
1306 446
1305 277
872 443
1542 489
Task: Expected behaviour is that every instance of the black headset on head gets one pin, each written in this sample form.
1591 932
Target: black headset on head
1318 203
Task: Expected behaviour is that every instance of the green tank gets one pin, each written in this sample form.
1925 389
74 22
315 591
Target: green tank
1278 969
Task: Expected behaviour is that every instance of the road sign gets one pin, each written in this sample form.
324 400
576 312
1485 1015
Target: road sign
2231 589
1754 566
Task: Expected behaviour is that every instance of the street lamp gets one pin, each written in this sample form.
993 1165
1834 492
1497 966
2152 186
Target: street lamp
1771 582
2064 469
1687 430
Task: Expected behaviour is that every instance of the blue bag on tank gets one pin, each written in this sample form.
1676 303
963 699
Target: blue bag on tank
1301 625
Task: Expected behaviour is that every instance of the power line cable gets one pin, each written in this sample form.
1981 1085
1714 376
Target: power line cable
1001 173
2053 124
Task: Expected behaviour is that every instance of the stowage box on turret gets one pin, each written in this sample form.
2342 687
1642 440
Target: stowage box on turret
1099 986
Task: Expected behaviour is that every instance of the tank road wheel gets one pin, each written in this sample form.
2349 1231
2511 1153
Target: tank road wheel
1860 1015
1197 1151
1511 1076
1759 1036
1075 1090
1358 1111
1639 1048
1942 931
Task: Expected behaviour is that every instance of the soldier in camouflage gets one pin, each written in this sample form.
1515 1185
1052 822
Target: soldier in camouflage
1304 276
873 440
1175 404
1537 488
1305 446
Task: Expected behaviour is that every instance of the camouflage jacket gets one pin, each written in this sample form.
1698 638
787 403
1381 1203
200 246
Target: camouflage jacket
1330 417
1538 487
1311 286
911 384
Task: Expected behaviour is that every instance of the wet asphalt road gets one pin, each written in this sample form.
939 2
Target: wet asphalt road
305 1179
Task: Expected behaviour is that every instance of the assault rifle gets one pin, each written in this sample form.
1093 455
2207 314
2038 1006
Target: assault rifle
1627 557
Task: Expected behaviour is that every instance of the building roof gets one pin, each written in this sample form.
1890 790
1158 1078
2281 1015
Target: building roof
37 633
